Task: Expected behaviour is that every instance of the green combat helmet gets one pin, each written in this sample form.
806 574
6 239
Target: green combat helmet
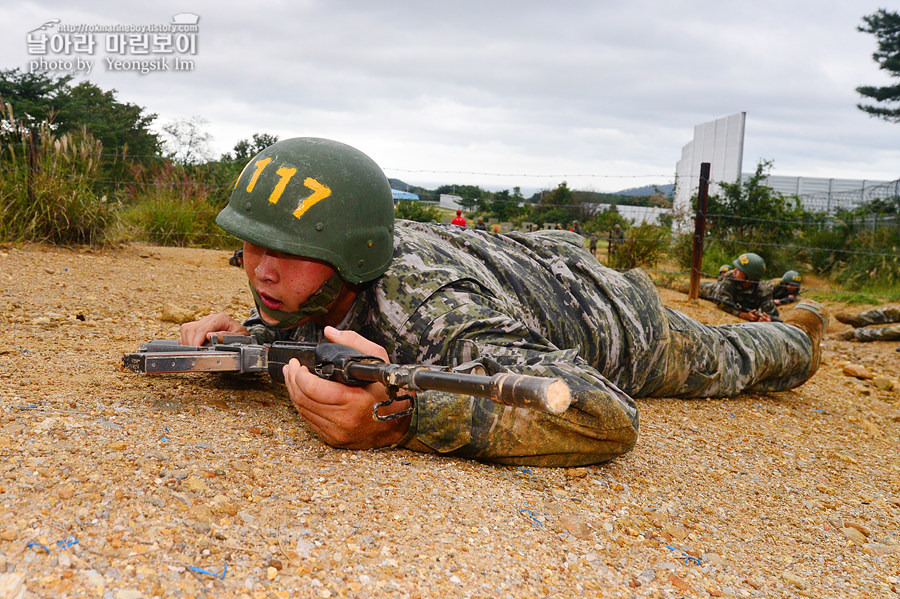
791 277
751 265
724 269
318 199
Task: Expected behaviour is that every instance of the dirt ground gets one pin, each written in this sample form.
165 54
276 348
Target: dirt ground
124 486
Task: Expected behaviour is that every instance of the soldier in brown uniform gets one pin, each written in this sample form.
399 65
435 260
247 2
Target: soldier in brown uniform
325 260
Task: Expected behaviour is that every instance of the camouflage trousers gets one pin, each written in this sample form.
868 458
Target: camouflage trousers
885 315
702 360
722 361
888 314
888 333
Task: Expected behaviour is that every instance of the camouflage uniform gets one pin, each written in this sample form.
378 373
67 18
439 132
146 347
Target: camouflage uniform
731 297
888 314
781 292
539 303
616 238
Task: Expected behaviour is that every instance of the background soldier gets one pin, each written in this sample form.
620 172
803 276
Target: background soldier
787 290
237 259
742 292
616 238
325 260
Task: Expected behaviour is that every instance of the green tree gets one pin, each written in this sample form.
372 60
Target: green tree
470 194
885 26
605 220
36 98
750 210
504 206
246 149
557 206
118 126
561 196
123 130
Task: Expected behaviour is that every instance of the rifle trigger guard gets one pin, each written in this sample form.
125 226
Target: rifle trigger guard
392 396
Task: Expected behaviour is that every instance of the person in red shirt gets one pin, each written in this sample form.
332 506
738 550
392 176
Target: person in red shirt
459 220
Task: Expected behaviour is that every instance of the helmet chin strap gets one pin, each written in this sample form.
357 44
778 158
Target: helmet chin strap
318 303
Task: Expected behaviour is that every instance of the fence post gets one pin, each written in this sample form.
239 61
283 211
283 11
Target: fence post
699 231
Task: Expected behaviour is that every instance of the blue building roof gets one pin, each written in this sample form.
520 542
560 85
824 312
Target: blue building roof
404 195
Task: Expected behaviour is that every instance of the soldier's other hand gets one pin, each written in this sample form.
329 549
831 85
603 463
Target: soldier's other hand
354 340
763 317
341 415
751 316
198 331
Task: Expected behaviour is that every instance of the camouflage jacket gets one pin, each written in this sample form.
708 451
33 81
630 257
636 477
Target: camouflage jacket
533 303
731 297
780 292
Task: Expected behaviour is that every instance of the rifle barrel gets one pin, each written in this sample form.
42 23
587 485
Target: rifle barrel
517 390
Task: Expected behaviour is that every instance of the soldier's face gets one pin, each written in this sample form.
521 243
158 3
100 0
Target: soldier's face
741 276
283 281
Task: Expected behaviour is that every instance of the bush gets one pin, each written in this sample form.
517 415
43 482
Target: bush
417 211
716 252
873 262
62 207
644 245
681 248
167 205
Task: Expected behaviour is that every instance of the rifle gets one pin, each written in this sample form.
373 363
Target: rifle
739 307
241 353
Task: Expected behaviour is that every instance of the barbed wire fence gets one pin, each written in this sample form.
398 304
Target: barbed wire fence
871 210
822 208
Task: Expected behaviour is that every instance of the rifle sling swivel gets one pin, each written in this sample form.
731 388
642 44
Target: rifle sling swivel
392 397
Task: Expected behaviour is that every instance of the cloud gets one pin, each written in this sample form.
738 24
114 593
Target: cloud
536 91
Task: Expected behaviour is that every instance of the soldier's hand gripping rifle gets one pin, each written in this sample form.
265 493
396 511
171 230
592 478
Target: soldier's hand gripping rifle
240 353
740 308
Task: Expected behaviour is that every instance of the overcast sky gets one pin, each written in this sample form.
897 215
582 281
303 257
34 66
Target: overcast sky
601 94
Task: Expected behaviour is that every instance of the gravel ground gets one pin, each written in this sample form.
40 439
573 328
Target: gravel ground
123 486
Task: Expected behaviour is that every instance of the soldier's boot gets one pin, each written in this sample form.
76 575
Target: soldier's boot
848 318
811 318
847 335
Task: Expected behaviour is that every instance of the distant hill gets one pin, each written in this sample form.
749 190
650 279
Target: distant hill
647 190
400 185
587 196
